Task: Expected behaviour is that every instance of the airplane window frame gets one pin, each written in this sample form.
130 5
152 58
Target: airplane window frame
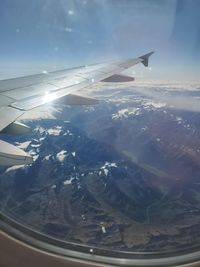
94 254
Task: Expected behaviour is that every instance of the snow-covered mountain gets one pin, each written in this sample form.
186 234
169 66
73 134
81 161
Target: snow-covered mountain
109 174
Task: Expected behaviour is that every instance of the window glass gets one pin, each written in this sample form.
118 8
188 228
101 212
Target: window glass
123 174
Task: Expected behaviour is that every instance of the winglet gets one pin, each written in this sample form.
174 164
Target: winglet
145 58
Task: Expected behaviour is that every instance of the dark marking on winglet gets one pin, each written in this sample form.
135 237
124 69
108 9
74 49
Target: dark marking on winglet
145 58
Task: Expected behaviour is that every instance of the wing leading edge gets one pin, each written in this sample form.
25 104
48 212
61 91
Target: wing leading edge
19 95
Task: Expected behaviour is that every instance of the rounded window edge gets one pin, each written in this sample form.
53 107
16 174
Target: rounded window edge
94 255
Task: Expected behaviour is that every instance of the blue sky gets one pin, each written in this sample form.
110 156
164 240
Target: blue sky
52 34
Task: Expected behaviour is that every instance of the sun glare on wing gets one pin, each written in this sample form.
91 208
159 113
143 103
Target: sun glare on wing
49 97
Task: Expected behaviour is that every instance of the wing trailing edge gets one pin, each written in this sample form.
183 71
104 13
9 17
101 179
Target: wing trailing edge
76 100
17 128
117 78
11 155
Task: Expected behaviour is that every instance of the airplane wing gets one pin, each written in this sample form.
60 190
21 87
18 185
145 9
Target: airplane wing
19 95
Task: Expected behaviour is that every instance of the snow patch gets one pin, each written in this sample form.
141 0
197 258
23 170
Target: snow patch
23 145
35 157
155 104
67 133
39 129
103 229
179 120
125 113
55 131
74 154
14 168
106 168
47 157
35 146
68 182
61 155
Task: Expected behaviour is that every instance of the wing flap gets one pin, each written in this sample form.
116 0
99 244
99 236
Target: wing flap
17 128
29 91
8 115
11 155
117 78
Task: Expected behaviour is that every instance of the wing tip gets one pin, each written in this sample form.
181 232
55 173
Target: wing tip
145 58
